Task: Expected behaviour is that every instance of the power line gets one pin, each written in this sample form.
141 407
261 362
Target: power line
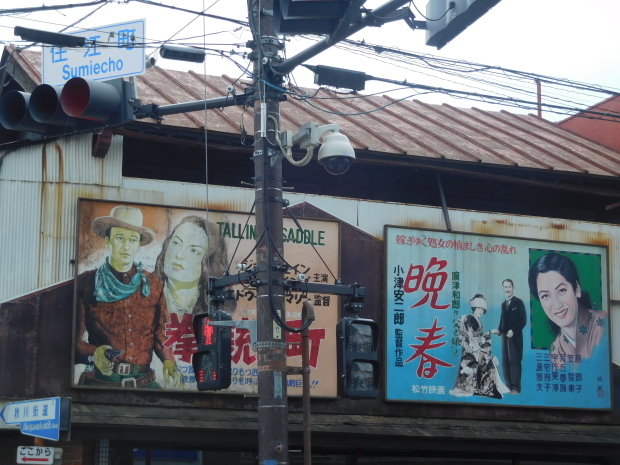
223 18
450 64
46 8
84 17
191 21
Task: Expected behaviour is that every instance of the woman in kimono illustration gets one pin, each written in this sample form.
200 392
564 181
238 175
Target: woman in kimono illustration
478 369
578 327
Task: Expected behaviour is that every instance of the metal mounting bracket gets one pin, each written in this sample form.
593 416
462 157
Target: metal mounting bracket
274 156
280 345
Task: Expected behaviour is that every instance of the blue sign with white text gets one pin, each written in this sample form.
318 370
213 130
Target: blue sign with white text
111 52
38 417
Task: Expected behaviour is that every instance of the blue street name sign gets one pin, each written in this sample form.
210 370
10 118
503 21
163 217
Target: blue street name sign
39 417
111 52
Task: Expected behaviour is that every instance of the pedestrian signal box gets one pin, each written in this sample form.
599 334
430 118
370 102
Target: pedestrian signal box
358 364
211 362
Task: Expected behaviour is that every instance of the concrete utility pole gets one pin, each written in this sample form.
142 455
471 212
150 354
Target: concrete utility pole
273 447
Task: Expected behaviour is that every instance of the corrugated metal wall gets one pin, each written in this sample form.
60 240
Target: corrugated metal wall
40 185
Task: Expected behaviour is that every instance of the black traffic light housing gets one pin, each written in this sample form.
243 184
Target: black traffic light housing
80 105
310 16
358 364
211 362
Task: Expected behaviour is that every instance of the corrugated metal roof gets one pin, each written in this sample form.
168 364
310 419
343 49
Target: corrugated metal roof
408 127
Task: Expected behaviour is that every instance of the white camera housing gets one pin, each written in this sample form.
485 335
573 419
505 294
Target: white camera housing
336 153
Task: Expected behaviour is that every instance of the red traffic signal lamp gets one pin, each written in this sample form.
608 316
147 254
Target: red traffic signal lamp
80 105
211 362
358 364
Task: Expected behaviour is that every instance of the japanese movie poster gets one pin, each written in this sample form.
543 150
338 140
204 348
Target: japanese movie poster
140 277
496 320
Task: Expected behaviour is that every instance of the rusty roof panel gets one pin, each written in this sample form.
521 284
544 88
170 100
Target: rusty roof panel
609 157
405 127
525 141
502 143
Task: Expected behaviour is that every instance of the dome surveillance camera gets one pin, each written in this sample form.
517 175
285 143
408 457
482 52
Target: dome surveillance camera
336 154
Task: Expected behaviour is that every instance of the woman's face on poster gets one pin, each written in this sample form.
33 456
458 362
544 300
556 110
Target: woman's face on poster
479 311
183 259
558 298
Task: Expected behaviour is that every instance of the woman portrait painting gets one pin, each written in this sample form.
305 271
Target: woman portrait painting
578 328
191 254
478 372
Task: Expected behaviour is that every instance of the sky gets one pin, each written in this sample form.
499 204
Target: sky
577 40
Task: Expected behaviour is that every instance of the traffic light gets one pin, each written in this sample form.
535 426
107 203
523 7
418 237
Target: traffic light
80 105
211 362
310 16
452 18
357 362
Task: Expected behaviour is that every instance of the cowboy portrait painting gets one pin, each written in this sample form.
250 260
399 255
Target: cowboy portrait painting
121 311
143 271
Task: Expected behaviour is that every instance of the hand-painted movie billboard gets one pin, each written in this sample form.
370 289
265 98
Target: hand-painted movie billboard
140 277
496 320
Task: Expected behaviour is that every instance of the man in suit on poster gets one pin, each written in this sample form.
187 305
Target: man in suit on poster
511 324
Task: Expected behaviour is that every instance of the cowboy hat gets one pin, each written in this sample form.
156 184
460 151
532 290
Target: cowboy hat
123 217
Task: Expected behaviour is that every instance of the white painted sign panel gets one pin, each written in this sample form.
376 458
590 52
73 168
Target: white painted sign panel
35 454
110 52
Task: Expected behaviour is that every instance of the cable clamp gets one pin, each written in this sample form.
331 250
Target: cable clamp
272 41
284 202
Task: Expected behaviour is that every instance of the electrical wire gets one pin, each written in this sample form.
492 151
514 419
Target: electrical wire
317 252
163 5
426 18
35 9
240 235
462 66
83 17
190 22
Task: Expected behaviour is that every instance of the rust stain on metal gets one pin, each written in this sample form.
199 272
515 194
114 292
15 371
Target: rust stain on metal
599 239
559 226
59 197
533 140
483 227
562 146
461 134
44 163
418 224
42 206
433 123
61 163
502 221
500 140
